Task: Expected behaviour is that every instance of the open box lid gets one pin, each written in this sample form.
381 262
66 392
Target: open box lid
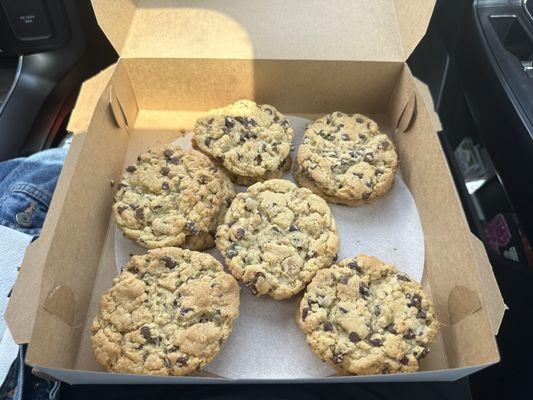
350 30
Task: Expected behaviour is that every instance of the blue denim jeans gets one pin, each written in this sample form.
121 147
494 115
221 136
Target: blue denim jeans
26 188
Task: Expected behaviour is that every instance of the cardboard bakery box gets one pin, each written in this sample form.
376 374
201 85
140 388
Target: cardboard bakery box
180 58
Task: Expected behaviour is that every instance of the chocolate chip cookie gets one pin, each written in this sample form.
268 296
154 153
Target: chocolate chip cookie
276 236
362 316
345 159
167 313
251 141
172 197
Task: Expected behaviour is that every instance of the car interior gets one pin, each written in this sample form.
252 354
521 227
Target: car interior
477 62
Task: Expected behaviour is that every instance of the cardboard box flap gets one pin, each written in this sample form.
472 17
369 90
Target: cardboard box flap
354 30
90 93
491 292
24 300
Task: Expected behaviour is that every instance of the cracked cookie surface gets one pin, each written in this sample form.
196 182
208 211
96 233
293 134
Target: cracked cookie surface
172 197
276 236
345 159
167 313
251 141
363 316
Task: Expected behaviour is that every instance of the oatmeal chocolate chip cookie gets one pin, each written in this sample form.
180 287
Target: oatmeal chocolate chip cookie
251 141
346 159
167 313
276 236
172 197
363 316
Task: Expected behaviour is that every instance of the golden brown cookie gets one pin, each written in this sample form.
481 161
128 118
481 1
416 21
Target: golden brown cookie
346 159
251 141
167 313
172 197
362 316
276 236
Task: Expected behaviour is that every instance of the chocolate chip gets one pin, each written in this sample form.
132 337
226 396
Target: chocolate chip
121 209
377 310
121 186
145 332
231 223
167 153
335 257
404 278
208 141
404 360
369 184
359 175
139 213
424 353
345 136
131 168
165 186
384 145
344 280
305 311
364 290
414 300
134 206
369 158
409 334
219 158
165 171
354 337
337 358
312 255
359 120
191 227
276 229
376 342
229 122
328 326
391 328
210 120
133 270
293 228
182 361
232 253
421 314
185 310
343 310
250 121
362 137
174 160
353 265
366 196
169 262
240 233
258 159
175 302
203 180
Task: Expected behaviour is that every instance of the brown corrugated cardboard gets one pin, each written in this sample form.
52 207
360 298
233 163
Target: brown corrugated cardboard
181 58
